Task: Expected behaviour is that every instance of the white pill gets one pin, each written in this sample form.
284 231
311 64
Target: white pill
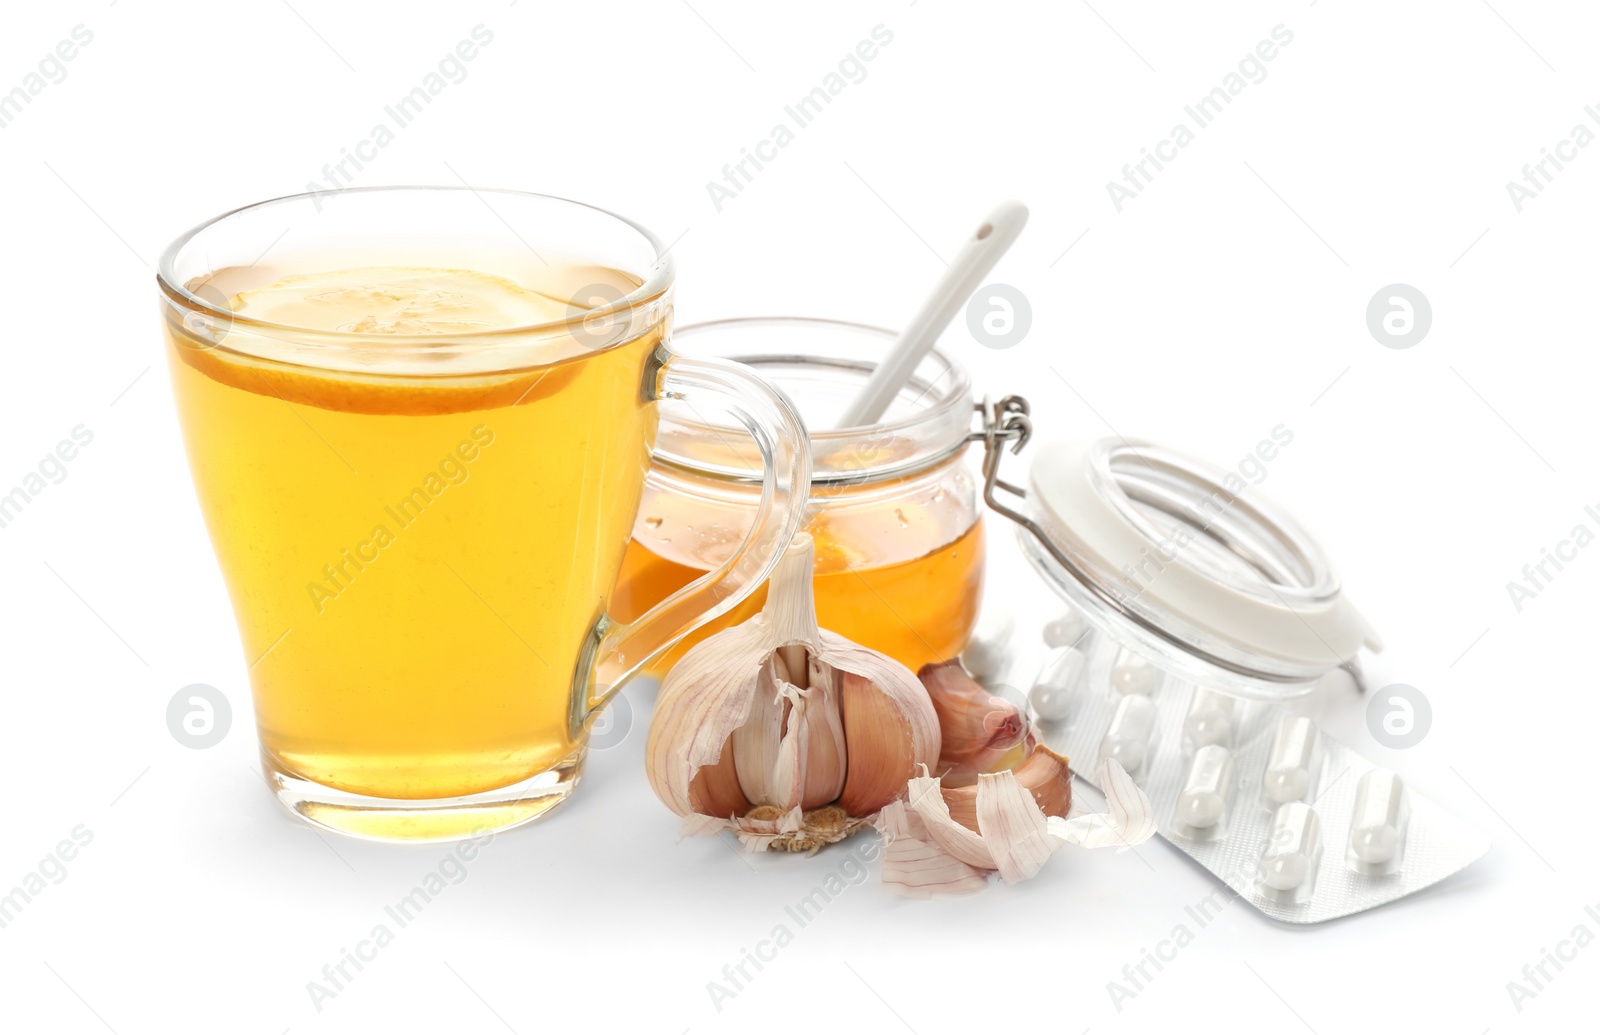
1375 825
1210 718
1132 673
1291 846
990 647
1128 737
1205 790
1288 775
1057 685
1067 631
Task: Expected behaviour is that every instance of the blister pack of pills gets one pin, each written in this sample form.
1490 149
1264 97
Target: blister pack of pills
1200 618
1303 827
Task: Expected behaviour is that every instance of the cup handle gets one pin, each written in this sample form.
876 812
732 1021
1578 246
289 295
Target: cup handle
617 651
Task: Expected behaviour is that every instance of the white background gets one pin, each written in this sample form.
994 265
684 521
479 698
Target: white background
1227 298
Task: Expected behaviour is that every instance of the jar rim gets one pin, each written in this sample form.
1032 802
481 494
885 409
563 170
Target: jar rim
1274 559
1156 547
935 429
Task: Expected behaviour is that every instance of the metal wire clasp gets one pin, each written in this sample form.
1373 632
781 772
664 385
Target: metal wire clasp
1004 422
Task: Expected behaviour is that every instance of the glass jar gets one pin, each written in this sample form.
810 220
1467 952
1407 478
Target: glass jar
893 510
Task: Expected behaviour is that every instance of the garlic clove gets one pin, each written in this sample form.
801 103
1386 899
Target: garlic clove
763 749
694 718
881 744
1044 774
1047 777
715 789
977 728
914 866
816 724
897 683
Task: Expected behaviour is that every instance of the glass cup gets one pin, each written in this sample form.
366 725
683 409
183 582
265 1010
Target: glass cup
421 531
893 509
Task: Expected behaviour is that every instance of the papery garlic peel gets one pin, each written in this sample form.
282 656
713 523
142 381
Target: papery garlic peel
790 735
944 841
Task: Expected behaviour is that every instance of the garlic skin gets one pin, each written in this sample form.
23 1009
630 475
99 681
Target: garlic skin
946 841
979 731
790 735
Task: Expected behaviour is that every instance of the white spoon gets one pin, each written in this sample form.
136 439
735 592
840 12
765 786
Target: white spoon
977 257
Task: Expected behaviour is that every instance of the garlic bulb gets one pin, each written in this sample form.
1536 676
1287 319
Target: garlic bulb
790 735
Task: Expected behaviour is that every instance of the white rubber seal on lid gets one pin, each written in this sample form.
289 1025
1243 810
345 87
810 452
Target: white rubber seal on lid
1195 555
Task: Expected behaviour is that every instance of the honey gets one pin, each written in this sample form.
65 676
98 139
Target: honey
892 511
917 611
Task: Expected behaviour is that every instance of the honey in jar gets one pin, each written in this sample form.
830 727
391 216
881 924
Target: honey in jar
893 510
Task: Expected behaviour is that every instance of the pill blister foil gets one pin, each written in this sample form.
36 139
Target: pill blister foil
1436 844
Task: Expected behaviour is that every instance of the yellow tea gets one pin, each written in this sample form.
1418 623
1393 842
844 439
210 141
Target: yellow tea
415 559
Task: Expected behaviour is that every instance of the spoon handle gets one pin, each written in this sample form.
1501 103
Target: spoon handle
977 257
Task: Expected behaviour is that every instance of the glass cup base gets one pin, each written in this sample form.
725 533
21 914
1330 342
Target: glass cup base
422 821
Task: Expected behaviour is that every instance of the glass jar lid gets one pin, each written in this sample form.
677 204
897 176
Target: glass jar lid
1168 553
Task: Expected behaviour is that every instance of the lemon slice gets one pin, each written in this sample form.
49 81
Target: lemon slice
398 300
